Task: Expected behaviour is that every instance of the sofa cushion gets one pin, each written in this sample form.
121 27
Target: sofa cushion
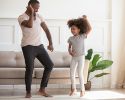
7 59
60 59
37 64
16 59
56 73
20 62
8 73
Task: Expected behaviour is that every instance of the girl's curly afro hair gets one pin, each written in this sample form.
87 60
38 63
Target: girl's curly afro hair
82 23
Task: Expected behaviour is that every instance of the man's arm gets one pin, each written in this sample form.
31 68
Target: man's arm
45 28
29 23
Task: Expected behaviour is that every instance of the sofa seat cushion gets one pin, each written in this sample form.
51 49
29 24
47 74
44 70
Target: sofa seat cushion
7 59
12 73
56 73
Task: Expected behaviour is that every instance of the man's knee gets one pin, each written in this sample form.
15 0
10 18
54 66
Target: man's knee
29 70
49 67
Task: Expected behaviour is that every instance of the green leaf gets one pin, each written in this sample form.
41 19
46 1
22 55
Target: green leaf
89 54
95 59
92 70
94 62
103 64
101 74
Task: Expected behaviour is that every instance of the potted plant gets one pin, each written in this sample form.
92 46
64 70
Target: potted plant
96 63
86 68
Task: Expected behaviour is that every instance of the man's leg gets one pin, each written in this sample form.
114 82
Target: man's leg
44 58
29 57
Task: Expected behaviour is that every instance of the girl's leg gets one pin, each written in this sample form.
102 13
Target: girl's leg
72 75
80 74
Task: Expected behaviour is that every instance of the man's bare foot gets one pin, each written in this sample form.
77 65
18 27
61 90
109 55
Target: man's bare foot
28 95
73 92
43 93
82 93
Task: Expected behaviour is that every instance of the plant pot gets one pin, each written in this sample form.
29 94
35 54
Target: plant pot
88 85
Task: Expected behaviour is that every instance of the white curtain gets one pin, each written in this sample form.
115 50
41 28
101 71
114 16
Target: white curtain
118 44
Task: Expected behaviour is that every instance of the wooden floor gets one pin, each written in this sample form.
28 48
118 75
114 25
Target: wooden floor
62 94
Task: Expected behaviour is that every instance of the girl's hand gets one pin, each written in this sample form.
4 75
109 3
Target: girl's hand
84 16
71 52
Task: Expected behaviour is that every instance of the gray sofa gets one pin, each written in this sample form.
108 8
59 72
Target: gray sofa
12 68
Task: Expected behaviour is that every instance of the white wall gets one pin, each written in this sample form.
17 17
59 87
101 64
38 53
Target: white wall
56 13
118 43
59 9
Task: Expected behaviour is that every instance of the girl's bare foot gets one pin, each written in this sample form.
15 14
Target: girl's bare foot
73 92
82 93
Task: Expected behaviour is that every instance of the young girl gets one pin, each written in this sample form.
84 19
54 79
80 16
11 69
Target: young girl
80 28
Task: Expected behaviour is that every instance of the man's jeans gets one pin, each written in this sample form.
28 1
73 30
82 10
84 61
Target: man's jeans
39 52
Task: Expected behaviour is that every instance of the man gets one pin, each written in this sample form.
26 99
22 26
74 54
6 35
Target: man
31 23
